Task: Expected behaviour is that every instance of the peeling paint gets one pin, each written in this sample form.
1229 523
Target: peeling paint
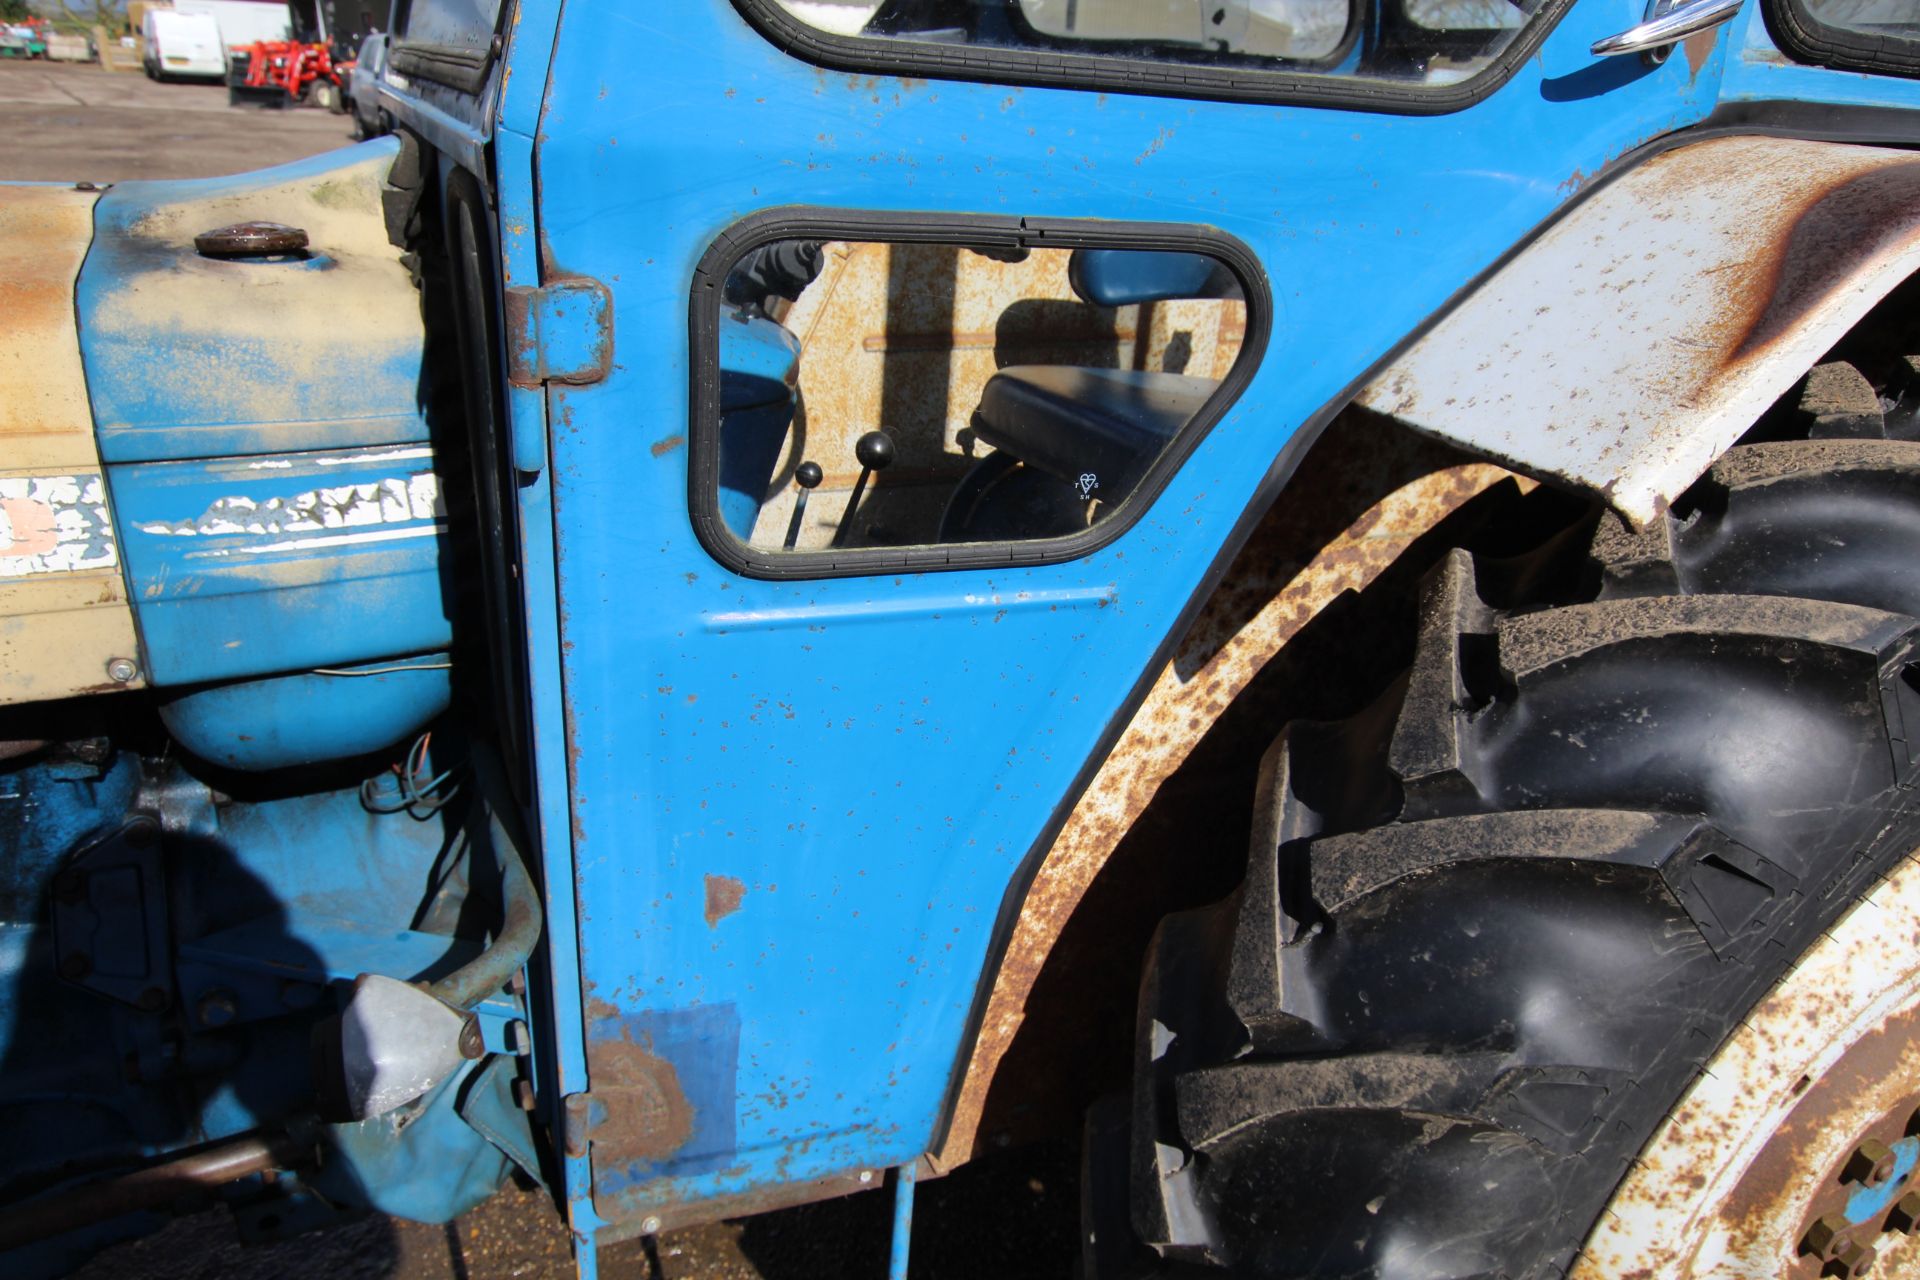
54 524
394 500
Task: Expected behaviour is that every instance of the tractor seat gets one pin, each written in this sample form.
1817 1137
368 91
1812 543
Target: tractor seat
1073 422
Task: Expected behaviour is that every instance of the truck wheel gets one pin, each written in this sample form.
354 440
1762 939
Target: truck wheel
1495 927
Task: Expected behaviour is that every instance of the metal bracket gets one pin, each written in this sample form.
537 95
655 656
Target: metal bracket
559 332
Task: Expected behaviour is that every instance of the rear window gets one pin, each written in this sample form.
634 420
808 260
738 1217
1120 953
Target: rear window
1393 54
1862 35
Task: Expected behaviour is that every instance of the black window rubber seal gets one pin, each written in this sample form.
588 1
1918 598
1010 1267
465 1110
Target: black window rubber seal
1807 39
983 230
1060 69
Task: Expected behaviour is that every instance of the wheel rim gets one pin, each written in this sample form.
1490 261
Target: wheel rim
1795 1153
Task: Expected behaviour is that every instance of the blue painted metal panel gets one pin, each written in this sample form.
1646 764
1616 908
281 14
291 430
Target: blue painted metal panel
555 993
306 718
873 759
184 385
757 362
245 566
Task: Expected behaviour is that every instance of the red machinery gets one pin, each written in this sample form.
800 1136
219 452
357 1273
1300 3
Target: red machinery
299 69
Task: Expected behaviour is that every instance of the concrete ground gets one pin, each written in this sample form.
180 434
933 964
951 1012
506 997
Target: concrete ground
61 121
1011 1217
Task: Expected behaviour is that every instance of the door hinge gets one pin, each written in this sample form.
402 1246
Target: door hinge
559 332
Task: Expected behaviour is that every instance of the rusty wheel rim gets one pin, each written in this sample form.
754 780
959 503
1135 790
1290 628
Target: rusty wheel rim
1797 1152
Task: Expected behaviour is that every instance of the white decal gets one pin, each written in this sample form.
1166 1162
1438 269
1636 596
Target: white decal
54 524
1088 483
395 500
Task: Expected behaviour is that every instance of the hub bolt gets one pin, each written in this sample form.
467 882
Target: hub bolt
1829 1234
1871 1164
1905 1214
1853 1260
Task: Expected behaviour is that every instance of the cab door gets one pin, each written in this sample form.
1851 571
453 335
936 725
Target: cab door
814 759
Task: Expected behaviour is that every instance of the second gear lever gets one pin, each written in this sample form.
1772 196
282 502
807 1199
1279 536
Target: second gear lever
874 451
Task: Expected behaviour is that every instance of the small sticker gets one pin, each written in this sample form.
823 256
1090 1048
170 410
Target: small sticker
54 524
1087 484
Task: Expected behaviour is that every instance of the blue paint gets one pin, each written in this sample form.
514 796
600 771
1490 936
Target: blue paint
873 759
303 719
1868 1203
758 361
701 1045
877 768
173 386
903 1180
275 904
254 566
1118 278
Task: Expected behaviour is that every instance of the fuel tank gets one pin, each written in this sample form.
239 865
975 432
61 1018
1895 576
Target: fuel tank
229 445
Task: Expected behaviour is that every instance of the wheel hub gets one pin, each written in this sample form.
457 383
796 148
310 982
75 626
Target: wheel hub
1796 1154
1867 1197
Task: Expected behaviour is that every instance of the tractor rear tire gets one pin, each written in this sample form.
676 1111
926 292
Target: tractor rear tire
1496 925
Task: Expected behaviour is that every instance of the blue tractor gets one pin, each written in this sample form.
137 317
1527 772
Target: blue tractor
771 595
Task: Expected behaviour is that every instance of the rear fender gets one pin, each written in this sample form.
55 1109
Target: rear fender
1642 334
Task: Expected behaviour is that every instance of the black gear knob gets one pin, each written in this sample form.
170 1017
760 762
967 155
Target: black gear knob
874 450
808 476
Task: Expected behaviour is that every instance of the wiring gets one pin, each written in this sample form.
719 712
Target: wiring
417 796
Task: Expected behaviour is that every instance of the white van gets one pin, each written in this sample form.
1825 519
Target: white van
182 44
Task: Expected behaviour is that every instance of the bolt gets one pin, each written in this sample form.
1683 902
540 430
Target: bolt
121 670
1853 1259
650 1225
523 1094
154 1000
1905 1214
1871 1163
472 1043
217 1008
75 965
1827 1236
866 1175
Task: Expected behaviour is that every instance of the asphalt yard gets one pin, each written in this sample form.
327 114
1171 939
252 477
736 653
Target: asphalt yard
78 122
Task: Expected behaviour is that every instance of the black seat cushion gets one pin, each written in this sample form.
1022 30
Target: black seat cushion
1073 422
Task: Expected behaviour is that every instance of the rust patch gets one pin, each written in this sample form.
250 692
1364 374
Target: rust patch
723 898
639 1112
1360 500
661 448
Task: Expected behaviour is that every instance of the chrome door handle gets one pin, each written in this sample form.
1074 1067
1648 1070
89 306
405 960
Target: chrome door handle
1667 23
